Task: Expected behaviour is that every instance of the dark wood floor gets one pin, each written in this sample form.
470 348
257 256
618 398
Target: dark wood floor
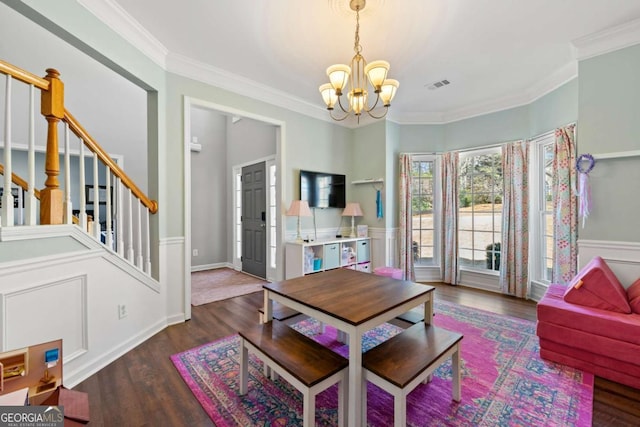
142 388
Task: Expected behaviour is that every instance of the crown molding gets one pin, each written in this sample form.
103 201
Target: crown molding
552 82
607 40
561 76
116 18
188 67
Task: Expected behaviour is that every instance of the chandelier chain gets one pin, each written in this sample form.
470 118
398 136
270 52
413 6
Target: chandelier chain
356 46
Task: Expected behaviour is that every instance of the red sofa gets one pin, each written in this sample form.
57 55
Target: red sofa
593 324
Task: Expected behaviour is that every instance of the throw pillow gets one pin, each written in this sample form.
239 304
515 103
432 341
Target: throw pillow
596 286
634 296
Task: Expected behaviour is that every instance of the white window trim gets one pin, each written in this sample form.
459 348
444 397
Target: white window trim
432 272
536 177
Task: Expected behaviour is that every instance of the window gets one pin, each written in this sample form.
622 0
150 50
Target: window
238 215
480 209
542 206
422 209
272 215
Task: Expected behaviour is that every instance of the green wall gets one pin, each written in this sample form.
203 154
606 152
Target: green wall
556 109
609 112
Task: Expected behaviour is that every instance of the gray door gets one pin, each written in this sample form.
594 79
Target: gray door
254 217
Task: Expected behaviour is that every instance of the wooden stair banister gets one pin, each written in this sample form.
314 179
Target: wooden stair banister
25 187
55 202
23 75
20 182
91 143
52 108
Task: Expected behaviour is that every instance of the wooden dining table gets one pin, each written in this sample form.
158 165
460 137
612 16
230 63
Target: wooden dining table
353 302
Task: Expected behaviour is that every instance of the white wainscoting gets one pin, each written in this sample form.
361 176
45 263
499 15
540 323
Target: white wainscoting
176 279
622 257
57 310
384 247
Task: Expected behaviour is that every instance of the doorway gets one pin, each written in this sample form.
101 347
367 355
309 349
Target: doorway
243 150
254 220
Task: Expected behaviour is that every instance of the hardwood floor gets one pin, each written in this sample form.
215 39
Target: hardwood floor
142 388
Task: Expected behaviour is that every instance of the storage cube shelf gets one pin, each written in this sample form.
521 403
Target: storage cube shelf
313 257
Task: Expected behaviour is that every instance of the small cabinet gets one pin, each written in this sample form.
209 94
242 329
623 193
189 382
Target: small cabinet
313 257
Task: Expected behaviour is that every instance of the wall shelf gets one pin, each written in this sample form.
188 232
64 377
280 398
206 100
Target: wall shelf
368 181
617 155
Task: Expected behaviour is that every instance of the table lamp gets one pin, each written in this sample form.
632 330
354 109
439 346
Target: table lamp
353 210
299 208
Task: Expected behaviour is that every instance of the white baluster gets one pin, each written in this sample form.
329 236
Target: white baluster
7 197
83 197
119 219
67 178
31 203
130 252
20 201
147 264
140 259
109 238
96 199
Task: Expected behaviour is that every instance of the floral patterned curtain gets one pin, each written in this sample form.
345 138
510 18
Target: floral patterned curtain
449 231
565 207
514 262
406 228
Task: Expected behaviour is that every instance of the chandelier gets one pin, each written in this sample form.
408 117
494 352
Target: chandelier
375 73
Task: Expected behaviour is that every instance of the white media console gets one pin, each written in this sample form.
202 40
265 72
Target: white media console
313 257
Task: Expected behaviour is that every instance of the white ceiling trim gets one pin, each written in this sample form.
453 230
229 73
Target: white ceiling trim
537 91
126 26
116 18
608 40
188 67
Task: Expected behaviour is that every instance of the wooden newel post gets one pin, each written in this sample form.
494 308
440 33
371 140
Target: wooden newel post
52 107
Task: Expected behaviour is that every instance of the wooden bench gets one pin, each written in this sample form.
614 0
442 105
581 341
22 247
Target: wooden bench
280 312
412 317
399 364
304 363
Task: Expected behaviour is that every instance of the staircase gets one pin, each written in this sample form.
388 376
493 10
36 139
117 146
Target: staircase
119 222
78 258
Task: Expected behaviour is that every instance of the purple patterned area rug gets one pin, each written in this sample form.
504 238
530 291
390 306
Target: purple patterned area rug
504 381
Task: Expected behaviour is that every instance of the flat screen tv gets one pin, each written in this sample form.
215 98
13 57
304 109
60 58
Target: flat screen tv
322 190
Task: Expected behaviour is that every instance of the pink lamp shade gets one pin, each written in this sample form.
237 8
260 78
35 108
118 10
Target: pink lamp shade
353 210
299 208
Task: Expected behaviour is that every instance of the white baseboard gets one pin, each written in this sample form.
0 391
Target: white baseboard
204 267
75 375
537 291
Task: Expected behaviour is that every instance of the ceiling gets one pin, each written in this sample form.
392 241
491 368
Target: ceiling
496 54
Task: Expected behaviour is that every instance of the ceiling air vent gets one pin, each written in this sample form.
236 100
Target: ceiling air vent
438 84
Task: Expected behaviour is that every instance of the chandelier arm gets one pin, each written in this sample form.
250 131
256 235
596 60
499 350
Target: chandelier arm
386 109
338 119
341 107
375 104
